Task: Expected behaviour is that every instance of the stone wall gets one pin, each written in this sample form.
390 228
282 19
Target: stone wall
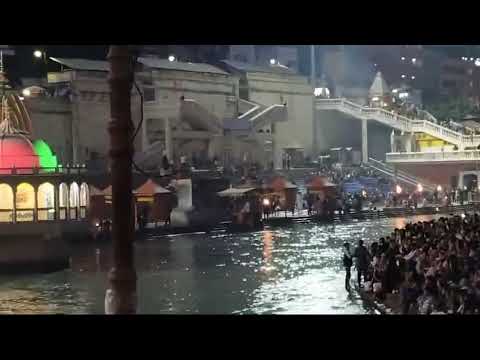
270 89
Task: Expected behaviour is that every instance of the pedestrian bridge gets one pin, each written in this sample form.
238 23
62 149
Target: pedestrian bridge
399 122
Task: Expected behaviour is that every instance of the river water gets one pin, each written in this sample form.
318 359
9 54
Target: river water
290 270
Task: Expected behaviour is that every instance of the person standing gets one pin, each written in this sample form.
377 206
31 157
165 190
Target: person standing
362 261
347 264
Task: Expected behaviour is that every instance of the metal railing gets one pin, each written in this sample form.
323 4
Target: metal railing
400 122
71 170
461 155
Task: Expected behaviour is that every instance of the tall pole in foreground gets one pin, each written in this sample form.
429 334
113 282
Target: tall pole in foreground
121 296
314 84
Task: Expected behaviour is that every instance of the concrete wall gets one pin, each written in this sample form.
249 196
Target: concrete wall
51 121
270 89
338 130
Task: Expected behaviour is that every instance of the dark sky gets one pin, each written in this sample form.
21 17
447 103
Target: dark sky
23 63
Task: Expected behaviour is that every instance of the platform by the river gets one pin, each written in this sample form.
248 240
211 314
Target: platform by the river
286 217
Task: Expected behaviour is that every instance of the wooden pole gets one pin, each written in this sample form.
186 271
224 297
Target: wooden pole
121 297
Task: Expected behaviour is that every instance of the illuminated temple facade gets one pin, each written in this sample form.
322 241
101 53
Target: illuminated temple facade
33 186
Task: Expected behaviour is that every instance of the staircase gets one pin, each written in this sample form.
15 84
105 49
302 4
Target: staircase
260 115
401 176
399 122
199 117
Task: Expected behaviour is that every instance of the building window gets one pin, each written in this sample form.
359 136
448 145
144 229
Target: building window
449 83
149 94
6 203
74 200
46 202
25 202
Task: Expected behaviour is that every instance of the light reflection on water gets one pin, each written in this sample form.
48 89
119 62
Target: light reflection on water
291 270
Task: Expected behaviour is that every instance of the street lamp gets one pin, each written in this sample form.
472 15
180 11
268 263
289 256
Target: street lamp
171 58
272 61
38 54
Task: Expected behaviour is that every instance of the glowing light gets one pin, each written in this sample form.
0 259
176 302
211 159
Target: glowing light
477 62
375 98
413 77
364 193
471 59
403 58
272 61
403 76
439 188
463 216
38 54
21 98
48 161
395 91
419 188
414 60
266 202
403 95
398 189
26 92
171 58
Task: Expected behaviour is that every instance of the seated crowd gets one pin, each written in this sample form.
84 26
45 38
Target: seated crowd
433 265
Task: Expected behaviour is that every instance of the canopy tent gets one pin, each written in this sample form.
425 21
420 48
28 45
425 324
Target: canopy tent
150 188
320 183
235 192
279 183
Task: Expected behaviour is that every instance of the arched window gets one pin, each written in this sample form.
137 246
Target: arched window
74 200
62 201
25 202
46 202
6 203
84 200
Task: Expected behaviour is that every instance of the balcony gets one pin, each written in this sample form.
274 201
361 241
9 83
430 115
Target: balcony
445 156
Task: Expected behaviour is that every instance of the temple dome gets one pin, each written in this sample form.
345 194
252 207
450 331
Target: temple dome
16 151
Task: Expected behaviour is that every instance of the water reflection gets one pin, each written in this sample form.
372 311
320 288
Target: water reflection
277 271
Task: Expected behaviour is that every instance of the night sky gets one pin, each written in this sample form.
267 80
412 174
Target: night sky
23 63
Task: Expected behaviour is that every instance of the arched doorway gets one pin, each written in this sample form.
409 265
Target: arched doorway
25 202
63 201
46 202
74 200
84 200
6 203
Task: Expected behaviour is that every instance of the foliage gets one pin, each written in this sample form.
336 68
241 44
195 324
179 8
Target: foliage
454 109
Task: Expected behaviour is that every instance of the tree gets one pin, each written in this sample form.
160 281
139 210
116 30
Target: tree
454 109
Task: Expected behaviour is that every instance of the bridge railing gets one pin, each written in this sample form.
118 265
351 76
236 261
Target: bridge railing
464 155
400 122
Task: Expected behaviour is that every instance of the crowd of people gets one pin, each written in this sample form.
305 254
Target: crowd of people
434 266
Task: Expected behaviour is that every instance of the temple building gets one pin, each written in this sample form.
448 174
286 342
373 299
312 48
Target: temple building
233 112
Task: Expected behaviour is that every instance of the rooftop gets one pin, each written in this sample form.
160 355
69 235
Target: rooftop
165 64
83 64
246 67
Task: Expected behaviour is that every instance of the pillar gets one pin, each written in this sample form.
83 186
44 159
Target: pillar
364 141
121 295
56 201
14 212
35 209
168 139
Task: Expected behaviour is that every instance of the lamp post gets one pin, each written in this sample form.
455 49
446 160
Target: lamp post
42 55
121 297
